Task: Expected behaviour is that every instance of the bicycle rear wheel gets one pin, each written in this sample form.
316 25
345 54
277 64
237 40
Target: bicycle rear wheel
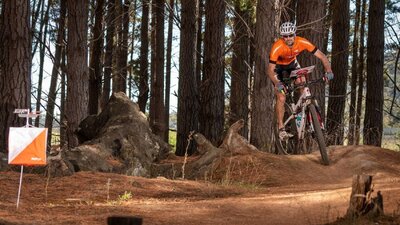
319 135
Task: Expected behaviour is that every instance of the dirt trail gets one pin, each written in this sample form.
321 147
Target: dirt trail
256 189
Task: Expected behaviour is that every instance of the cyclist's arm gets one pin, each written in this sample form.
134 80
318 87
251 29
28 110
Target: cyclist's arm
327 65
271 73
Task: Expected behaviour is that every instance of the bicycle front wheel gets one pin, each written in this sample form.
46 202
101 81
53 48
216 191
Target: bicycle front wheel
319 135
284 147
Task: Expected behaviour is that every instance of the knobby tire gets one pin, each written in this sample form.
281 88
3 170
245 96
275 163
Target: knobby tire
319 135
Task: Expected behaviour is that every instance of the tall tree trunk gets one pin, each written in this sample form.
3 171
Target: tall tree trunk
263 94
168 69
35 17
15 65
373 120
239 99
77 70
95 65
354 75
360 73
42 39
337 87
327 24
312 12
131 72
121 50
63 99
212 87
199 49
60 49
157 108
188 99
144 57
108 55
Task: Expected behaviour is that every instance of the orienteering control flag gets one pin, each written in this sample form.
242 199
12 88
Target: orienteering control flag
27 146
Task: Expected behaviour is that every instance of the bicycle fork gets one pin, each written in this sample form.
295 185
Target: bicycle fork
299 117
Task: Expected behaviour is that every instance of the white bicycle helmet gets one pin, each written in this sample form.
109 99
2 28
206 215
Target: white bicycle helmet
287 28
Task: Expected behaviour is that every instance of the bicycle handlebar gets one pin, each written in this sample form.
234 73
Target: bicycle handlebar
292 87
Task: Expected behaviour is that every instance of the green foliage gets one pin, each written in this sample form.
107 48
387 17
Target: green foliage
172 140
125 197
55 138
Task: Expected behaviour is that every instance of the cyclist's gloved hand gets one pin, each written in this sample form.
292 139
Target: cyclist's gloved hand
328 76
281 87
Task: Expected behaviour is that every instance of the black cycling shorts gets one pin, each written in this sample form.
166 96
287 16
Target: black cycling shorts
283 71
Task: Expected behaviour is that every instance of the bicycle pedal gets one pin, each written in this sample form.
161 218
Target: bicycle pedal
284 136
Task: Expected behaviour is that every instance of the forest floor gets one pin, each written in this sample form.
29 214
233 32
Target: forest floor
260 188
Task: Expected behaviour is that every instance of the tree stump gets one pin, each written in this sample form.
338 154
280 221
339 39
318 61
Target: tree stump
236 143
233 144
209 156
361 202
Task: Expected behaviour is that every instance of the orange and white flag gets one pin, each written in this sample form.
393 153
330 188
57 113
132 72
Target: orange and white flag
27 146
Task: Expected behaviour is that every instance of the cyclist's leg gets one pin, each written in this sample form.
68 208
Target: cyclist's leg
283 76
280 108
280 98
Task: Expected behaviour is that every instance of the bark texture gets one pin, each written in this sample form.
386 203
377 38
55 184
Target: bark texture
76 107
212 87
337 87
262 106
373 120
188 97
15 65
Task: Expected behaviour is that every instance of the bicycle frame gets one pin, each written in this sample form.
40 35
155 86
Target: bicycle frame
305 111
301 107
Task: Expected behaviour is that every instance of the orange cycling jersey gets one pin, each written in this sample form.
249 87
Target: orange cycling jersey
282 54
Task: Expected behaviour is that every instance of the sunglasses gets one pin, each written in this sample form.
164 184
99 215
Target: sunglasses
288 36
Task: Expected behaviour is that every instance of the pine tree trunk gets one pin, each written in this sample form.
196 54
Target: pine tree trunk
188 102
95 71
168 69
35 17
121 47
360 74
199 50
144 61
60 49
310 12
42 39
337 87
239 98
157 108
373 120
63 99
15 64
131 72
263 95
354 75
76 107
108 55
212 87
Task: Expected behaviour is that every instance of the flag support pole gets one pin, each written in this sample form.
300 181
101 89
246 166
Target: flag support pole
20 184
24 113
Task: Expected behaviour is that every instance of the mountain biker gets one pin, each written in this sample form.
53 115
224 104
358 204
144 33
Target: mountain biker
282 60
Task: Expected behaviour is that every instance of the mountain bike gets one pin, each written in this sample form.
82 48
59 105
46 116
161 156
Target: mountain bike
302 118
